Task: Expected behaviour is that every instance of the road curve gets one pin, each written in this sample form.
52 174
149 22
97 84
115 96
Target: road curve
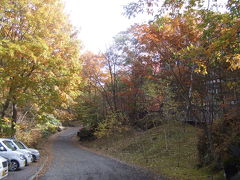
70 162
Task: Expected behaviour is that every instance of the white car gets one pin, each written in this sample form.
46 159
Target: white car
27 153
35 153
3 167
16 158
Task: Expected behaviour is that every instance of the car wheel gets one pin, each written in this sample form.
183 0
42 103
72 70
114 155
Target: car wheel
34 158
14 165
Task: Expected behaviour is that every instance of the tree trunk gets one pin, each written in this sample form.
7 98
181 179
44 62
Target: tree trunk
189 105
5 107
14 118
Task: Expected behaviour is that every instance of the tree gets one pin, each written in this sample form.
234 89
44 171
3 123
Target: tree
39 55
199 47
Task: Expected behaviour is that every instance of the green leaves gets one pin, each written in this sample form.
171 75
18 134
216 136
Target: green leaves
39 58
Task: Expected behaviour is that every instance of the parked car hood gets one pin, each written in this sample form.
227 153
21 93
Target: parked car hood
33 150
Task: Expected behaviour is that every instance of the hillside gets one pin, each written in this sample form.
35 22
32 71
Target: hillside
167 150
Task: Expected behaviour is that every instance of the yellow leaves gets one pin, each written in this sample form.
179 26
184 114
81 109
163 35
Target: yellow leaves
38 53
201 69
6 120
234 61
168 29
232 85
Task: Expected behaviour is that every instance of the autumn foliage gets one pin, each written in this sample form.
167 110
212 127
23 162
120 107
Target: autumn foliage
181 66
39 62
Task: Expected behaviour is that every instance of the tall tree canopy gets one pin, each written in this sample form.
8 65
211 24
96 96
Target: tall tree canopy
39 55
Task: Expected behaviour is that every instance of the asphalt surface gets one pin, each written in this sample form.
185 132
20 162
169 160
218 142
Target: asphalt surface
24 173
70 162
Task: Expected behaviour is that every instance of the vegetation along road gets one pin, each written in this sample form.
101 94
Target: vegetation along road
70 162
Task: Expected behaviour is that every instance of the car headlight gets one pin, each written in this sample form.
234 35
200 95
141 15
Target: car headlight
36 153
29 155
21 157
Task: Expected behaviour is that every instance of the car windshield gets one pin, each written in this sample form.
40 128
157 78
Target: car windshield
23 144
10 145
19 145
2 148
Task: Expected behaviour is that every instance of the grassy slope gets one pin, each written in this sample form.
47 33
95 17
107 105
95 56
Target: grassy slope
167 150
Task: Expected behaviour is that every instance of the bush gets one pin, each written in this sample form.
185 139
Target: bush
30 138
204 152
86 134
6 127
113 123
225 141
149 121
50 124
49 129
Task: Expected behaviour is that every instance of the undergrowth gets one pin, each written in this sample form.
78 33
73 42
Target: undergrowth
169 150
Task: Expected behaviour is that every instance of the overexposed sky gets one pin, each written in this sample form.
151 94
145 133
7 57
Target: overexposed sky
98 20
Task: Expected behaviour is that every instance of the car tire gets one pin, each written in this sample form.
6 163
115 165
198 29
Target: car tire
34 158
14 165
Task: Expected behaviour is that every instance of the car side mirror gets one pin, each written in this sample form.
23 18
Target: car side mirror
2 148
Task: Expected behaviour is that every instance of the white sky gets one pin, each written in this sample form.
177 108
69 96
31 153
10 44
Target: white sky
98 20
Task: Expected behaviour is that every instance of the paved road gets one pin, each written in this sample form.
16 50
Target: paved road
70 162
25 173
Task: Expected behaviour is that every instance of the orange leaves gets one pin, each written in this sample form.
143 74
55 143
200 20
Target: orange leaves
168 36
126 80
92 66
169 41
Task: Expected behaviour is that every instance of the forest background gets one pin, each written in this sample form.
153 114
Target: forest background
180 68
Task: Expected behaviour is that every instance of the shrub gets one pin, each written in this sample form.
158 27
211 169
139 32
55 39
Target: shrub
30 138
113 123
49 129
49 124
86 134
149 121
6 129
225 139
204 152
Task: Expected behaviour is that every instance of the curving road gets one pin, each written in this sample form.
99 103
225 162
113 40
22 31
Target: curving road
70 162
